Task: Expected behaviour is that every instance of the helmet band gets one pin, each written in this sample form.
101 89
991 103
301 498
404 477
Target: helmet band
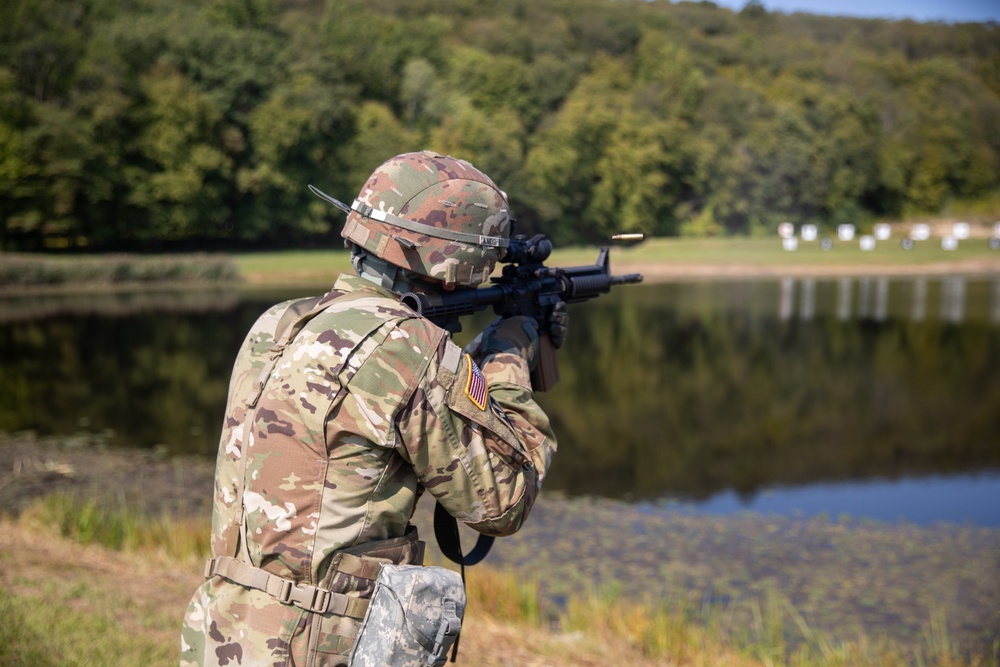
367 211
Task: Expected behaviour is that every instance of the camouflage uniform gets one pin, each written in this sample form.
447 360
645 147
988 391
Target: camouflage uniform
362 407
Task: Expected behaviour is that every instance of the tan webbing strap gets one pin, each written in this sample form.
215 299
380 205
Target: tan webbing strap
363 568
291 322
294 318
310 598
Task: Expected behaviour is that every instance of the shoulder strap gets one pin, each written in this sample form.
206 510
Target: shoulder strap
291 322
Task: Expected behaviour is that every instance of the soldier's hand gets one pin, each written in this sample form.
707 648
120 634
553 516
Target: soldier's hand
558 325
517 335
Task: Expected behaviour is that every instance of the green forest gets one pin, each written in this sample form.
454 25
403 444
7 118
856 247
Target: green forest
176 124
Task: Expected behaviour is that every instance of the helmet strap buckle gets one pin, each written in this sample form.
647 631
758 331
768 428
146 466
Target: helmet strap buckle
377 270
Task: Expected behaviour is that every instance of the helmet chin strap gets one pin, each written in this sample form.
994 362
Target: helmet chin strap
377 270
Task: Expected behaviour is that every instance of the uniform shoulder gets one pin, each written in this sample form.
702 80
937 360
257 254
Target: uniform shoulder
422 334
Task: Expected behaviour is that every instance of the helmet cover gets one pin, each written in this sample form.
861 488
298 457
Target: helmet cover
434 215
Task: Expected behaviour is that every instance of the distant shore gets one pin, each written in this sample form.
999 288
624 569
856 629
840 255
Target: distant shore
666 272
659 260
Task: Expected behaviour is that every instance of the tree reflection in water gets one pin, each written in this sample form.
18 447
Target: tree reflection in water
681 389
691 389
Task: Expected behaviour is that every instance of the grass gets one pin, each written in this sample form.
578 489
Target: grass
77 626
321 267
687 634
315 261
111 524
671 254
23 270
98 609
769 252
20 644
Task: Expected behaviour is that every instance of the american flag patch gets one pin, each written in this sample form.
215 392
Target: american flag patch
476 388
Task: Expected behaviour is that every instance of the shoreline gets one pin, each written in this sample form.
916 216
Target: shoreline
658 259
844 578
669 272
653 273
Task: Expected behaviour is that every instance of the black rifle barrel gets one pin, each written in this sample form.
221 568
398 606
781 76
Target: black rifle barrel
572 286
584 286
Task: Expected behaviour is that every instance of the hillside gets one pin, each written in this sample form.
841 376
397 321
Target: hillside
162 124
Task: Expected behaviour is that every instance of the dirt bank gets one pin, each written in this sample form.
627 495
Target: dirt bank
844 578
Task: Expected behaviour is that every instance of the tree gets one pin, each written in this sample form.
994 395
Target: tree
152 123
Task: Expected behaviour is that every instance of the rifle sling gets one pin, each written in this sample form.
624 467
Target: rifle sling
450 542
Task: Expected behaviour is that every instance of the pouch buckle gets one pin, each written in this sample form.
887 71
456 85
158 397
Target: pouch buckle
310 598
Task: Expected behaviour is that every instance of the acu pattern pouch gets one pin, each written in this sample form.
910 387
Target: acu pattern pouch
414 617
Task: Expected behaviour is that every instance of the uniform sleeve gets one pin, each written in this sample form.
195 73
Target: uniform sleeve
478 441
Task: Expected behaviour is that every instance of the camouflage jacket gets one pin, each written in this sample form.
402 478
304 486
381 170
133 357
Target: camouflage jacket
366 404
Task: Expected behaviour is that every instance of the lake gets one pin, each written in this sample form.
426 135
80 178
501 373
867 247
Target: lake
869 397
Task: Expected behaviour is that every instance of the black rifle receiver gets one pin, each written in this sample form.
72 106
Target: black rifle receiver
525 287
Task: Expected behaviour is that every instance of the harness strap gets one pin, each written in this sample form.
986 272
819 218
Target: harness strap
291 322
366 567
285 591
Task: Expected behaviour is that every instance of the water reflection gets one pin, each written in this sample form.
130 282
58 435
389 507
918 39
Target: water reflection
787 302
919 299
680 389
953 299
996 301
880 298
844 299
806 298
693 390
153 369
808 305
25 308
971 499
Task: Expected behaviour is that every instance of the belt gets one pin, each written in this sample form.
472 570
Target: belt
286 591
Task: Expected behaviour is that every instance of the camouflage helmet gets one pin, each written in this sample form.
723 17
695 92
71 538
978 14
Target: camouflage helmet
434 215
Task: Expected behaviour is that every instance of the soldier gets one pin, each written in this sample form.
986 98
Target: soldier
343 408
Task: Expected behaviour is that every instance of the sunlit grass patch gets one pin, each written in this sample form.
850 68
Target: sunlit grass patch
766 629
20 646
102 522
503 595
293 266
776 634
76 625
668 629
28 270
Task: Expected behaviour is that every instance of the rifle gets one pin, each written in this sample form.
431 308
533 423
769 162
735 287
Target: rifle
526 287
